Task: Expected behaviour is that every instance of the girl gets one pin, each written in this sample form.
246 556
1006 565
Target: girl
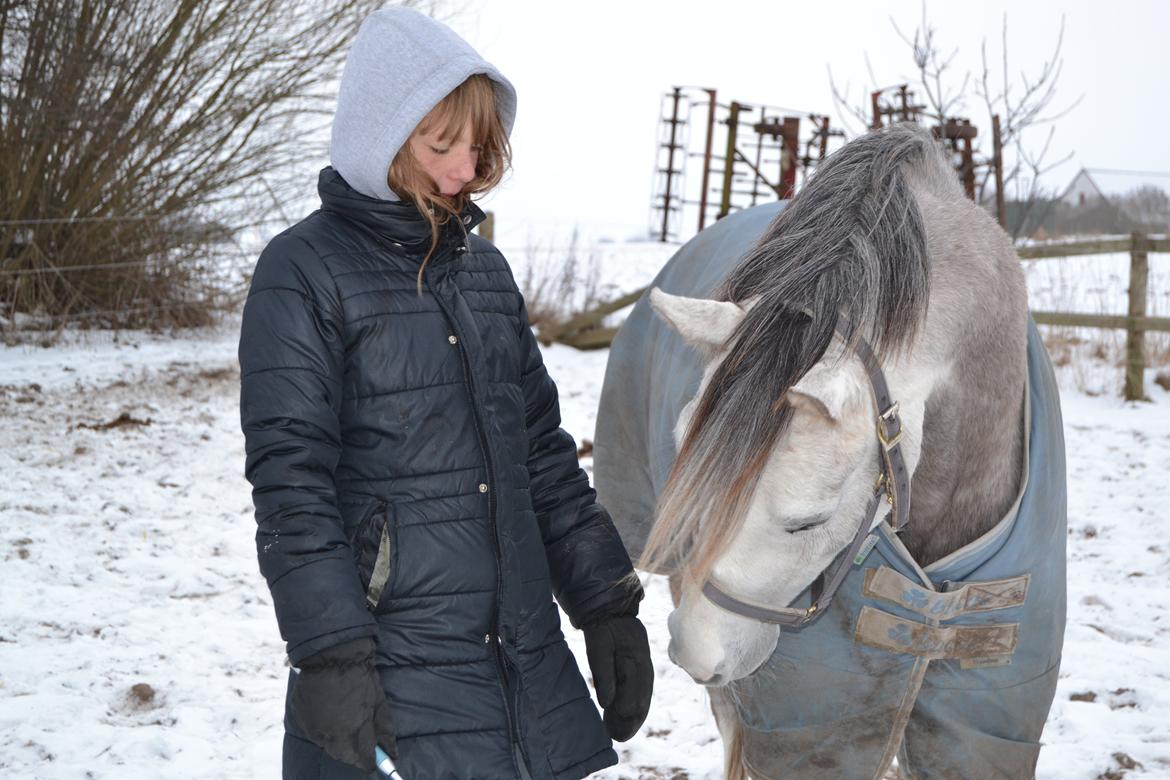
418 504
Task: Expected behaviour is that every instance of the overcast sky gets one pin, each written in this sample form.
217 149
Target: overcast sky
590 76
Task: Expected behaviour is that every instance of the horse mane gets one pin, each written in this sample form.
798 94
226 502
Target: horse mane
851 243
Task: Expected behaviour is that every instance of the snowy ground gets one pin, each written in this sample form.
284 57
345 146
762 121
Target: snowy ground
137 639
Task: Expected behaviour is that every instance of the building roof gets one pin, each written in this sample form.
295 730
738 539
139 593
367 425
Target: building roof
1114 183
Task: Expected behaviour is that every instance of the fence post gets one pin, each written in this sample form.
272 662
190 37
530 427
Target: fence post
487 228
1135 361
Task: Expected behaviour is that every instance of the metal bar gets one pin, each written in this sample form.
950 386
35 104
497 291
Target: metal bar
707 159
756 167
670 164
729 165
759 177
968 163
791 147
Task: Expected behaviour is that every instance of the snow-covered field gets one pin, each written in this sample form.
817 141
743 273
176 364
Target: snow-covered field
137 639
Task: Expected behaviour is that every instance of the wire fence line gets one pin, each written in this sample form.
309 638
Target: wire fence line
579 250
67 268
70 220
111 313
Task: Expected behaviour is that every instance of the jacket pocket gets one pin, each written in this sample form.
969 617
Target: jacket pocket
374 551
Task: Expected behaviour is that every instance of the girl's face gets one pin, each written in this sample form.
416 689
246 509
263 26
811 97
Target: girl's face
450 164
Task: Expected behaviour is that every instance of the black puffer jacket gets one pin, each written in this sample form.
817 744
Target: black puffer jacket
418 437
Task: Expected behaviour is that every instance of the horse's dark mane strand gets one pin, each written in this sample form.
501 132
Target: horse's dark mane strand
852 243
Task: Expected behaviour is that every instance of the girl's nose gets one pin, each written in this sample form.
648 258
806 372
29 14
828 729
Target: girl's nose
466 169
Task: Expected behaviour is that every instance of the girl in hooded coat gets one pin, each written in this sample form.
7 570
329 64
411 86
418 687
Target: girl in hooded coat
418 504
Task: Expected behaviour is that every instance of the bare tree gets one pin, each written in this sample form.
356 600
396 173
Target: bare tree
138 138
1023 106
1149 206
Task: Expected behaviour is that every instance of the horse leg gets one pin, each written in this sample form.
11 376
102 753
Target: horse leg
724 711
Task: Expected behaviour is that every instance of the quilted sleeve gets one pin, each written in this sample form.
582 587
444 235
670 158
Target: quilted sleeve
291 357
591 572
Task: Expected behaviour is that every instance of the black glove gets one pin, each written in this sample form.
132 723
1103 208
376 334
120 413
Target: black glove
619 657
338 702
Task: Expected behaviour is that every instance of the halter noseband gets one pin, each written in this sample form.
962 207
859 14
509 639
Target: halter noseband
893 481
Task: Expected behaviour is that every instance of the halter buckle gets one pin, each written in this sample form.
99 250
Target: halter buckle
889 416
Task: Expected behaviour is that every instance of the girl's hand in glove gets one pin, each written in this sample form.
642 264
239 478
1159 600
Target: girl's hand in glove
619 657
338 702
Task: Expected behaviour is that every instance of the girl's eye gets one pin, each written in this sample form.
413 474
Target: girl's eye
438 151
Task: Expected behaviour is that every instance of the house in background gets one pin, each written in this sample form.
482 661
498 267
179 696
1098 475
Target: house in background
1081 189
1103 201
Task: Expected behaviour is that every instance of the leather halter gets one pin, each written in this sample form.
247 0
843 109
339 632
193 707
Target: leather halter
893 481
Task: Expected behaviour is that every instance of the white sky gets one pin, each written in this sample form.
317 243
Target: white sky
590 76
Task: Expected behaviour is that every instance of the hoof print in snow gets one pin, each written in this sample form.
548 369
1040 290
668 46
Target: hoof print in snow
659 773
121 421
1122 699
21 546
141 697
224 374
1086 696
1124 762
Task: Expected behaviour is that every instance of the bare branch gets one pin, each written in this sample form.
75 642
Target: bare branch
845 109
191 114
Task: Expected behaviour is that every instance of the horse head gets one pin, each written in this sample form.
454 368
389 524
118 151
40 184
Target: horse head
810 494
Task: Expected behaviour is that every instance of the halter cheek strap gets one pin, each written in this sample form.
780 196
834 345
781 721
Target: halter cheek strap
893 481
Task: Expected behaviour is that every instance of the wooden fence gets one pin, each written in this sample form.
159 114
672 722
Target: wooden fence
584 332
1135 323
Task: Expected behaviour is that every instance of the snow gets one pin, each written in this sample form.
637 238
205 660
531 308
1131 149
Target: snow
127 560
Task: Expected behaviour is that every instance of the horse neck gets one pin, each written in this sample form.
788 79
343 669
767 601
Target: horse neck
968 472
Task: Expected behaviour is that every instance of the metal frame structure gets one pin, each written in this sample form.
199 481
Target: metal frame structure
896 104
763 152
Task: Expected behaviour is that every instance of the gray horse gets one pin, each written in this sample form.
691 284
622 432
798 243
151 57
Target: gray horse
807 367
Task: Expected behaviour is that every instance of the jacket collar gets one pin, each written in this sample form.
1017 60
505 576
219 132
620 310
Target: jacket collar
397 223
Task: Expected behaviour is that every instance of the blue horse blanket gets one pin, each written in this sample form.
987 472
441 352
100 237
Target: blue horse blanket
951 667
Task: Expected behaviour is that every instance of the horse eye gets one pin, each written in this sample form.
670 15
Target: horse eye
804 524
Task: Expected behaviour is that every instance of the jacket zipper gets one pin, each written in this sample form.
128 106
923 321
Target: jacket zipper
494 637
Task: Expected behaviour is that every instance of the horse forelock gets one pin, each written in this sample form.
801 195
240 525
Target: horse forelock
851 244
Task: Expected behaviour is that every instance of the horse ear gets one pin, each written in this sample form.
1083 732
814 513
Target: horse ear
828 389
702 323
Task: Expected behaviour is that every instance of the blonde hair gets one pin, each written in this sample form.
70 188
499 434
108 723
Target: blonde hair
471 104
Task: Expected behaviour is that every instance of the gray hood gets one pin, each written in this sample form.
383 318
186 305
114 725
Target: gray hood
401 64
